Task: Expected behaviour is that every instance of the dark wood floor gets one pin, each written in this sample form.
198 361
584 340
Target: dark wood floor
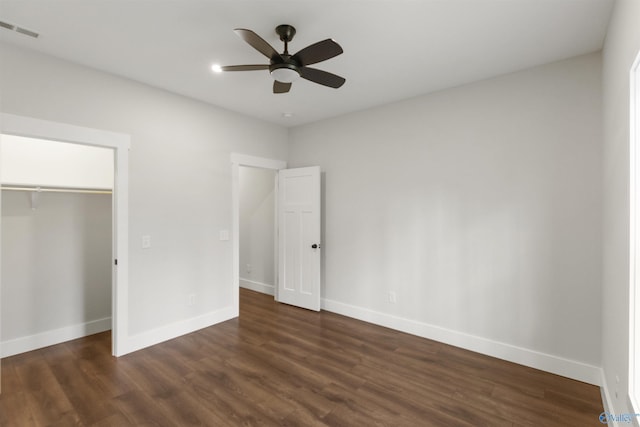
277 366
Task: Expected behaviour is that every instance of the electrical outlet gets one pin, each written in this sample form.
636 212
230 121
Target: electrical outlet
191 300
248 268
392 297
146 242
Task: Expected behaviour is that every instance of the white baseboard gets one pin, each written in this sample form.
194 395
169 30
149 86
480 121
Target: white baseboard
606 398
174 330
55 336
264 288
546 362
616 417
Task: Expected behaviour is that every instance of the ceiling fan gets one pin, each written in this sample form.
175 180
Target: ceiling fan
286 68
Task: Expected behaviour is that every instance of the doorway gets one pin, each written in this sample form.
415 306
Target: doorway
28 127
239 161
257 220
297 226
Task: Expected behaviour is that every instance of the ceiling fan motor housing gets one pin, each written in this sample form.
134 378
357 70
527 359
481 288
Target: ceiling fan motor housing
285 72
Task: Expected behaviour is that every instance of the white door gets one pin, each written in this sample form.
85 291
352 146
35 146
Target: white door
299 237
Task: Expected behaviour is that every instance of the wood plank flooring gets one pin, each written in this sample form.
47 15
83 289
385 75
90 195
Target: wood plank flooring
278 365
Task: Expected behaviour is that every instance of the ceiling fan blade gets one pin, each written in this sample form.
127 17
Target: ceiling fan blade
321 77
317 52
245 67
257 43
279 87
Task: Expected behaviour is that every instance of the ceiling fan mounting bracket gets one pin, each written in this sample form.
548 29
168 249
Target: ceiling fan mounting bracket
286 32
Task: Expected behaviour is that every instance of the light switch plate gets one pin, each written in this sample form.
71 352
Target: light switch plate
224 234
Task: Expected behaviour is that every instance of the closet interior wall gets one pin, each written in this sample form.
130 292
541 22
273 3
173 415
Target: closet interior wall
56 254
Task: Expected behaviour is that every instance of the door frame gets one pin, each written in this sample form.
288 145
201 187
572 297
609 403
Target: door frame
238 160
30 127
634 235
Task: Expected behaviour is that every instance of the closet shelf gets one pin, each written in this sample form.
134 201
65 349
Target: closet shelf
36 191
55 189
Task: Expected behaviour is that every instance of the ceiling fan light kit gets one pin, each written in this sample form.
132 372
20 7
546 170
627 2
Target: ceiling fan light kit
285 68
284 73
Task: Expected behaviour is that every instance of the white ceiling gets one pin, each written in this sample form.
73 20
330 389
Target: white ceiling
393 49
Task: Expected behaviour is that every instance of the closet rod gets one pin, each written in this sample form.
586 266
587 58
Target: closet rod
55 189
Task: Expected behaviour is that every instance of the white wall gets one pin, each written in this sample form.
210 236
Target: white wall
56 265
479 206
180 180
257 221
621 47
35 162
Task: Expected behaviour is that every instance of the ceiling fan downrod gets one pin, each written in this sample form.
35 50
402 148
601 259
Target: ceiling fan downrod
286 33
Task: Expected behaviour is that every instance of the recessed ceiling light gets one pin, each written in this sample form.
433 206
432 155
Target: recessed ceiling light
287 115
216 68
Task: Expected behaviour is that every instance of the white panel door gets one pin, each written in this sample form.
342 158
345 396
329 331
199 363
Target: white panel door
299 237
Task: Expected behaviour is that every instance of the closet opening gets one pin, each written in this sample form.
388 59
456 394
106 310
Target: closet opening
88 212
56 238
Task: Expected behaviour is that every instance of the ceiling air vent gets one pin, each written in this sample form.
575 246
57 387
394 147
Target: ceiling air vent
27 32
18 29
7 26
